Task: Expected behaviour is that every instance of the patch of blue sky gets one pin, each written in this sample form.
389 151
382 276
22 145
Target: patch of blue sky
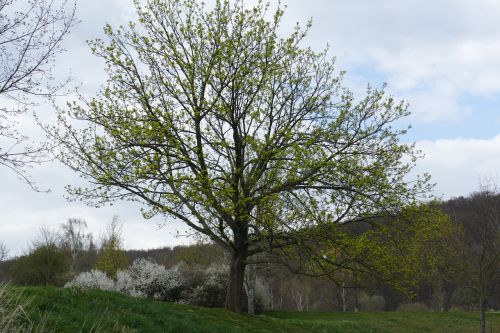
480 120
359 75
478 117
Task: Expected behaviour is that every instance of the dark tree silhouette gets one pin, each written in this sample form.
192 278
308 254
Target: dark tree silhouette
480 219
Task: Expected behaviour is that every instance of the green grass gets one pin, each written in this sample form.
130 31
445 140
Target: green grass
98 311
399 322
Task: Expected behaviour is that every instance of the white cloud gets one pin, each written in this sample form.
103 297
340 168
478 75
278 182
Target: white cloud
431 53
439 101
25 211
435 51
457 165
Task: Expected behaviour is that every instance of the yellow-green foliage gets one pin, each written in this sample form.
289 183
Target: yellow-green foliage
414 246
112 258
211 118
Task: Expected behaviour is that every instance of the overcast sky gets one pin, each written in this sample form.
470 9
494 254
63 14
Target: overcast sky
442 56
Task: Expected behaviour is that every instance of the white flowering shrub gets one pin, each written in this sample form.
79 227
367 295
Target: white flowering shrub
175 281
125 285
94 279
263 293
147 278
217 274
212 291
144 278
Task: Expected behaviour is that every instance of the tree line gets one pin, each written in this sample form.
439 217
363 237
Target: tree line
466 278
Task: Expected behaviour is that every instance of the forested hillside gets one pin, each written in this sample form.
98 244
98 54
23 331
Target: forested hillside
57 257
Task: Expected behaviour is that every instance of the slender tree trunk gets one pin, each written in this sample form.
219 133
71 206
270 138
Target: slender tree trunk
250 288
281 295
308 292
235 292
343 298
271 292
482 316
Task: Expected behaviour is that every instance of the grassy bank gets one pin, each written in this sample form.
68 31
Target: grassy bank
98 311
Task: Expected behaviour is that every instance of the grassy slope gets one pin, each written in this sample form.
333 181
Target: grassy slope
67 311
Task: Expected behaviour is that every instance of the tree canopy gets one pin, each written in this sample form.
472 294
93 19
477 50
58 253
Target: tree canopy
212 118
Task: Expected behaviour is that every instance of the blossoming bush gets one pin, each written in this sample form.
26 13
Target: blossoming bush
147 278
94 279
144 278
125 285
212 291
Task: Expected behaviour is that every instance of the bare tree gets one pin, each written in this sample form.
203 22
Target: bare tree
75 240
250 286
46 237
4 251
481 256
30 39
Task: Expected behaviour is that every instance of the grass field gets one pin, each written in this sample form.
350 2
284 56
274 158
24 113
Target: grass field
98 311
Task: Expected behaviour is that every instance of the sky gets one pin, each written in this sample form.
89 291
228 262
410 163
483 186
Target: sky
441 56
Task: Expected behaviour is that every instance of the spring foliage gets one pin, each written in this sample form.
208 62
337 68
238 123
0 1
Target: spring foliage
211 118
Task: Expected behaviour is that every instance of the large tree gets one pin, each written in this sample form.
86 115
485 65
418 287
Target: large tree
31 33
211 118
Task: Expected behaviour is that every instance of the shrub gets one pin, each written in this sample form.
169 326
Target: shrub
44 265
174 279
94 279
147 278
371 303
125 284
212 291
413 307
143 278
263 295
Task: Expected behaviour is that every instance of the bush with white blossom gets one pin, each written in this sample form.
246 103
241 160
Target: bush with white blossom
125 284
212 291
144 278
94 279
147 278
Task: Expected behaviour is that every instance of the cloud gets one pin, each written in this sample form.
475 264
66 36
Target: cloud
431 53
458 165
427 51
25 211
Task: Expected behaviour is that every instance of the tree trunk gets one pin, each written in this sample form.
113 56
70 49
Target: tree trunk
482 316
250 288
343 298
235 292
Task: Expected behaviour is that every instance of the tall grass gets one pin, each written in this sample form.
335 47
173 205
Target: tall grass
14 313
